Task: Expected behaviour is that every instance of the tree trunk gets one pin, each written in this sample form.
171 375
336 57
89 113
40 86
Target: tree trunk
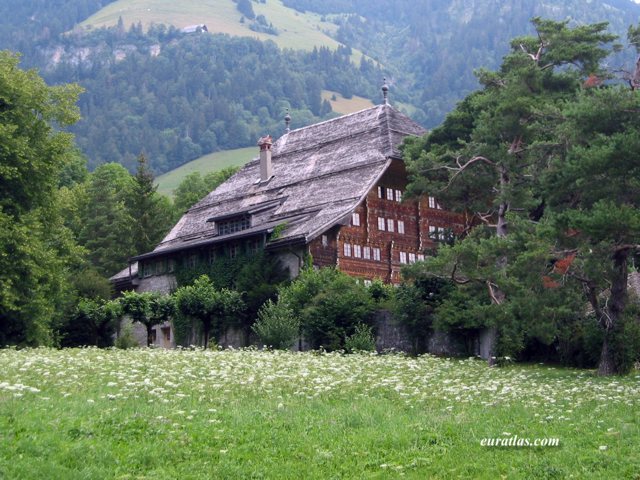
149 335
613 312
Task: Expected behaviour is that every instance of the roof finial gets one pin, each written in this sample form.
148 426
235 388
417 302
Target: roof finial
287 121
385 91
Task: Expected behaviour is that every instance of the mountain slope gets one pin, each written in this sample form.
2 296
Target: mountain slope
295 29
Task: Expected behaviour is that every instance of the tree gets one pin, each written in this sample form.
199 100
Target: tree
151 212
38 251
330 305
488 156
147 308
593 187
93 323
202 302
194 187
107 224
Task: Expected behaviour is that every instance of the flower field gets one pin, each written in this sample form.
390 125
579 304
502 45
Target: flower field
147 414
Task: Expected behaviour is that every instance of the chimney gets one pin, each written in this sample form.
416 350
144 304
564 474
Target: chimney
265 158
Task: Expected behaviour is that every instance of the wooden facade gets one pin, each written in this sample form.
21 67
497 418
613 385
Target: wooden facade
386 231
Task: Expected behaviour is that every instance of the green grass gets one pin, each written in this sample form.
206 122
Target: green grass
169 181
158 414
343 105
301 31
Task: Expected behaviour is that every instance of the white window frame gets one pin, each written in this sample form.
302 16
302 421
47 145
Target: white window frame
401 227
432 202
380 191
420 257
366 253
389 193
391 225
412 257
355 219
398 196
325 241
403 258
357 251
347 250
381 224
376 254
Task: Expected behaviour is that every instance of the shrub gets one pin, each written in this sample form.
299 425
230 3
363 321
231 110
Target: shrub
126 339
277 326
362 340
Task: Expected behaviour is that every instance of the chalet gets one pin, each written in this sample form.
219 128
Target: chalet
200 28
333 191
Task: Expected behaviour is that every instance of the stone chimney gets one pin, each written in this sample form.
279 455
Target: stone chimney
265 158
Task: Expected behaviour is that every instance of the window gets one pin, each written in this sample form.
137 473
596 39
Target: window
432 202
233 225
347 249
192 261
325 241
381 224
390 225
380 192
412 258
355 219
420 257
398 195
357 251
367 283
376 254
234 250
254 246
403 257
389 193
212 255
171 265
366 253
400 226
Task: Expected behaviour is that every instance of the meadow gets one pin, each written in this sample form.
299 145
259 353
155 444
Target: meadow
302 31
194 414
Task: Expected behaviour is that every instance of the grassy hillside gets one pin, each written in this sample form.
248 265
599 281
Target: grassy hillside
169 181
346 105
297 30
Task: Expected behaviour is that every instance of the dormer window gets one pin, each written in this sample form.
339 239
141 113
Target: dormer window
233 225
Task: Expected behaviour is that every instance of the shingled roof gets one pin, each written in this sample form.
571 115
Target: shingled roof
320 175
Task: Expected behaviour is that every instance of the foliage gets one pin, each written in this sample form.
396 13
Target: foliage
361 340
277 326
330 305
201 94
195 187
211 307
148 308
107 225
93 323
126 338
151 213
593 187
415 303
38 251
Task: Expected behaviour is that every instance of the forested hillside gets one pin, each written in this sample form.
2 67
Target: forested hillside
177 96
432 47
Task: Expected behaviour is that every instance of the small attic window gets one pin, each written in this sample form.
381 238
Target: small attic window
233 225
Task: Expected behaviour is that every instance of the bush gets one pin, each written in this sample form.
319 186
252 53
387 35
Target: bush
362 340
126 339
277 326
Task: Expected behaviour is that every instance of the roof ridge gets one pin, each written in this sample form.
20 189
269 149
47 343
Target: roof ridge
334 119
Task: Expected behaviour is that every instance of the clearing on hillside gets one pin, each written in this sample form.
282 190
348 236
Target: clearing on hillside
301 31
212 162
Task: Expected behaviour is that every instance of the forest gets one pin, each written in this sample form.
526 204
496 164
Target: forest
203 93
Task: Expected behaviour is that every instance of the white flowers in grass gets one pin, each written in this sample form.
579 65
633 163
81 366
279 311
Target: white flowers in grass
184 378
